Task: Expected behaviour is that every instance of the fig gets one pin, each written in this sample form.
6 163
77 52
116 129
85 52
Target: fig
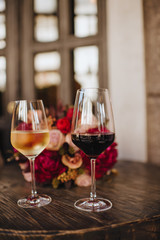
72 162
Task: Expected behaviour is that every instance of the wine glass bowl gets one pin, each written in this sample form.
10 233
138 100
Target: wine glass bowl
93 131
30 136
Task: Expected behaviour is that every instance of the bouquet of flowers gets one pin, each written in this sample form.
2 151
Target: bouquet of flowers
62 162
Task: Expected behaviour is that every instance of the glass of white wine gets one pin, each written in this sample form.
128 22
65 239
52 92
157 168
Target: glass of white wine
30 136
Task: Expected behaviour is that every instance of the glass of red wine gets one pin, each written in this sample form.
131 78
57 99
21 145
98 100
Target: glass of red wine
93 131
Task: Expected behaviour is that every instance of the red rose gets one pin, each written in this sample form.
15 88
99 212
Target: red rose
24 126
104 162
70 113
97 130
64 125
47 166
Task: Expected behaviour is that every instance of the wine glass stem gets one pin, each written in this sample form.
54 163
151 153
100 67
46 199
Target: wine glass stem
93 180
33 184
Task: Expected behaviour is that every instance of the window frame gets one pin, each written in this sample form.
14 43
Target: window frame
65 45
21 48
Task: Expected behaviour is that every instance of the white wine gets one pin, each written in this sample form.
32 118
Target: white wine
30 143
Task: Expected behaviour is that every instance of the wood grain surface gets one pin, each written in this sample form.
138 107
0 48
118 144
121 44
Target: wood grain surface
134 192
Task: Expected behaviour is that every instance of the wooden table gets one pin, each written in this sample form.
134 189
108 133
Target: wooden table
135 215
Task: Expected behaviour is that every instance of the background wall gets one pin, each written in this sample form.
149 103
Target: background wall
152 52
126 66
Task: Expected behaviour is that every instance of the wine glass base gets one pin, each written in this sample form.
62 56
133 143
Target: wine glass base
96 205
39 201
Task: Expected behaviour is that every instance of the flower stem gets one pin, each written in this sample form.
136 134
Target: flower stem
33 184
93 180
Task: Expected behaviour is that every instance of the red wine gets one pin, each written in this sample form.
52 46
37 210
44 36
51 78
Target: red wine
93 144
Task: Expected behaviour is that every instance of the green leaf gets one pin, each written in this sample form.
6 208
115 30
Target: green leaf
80 171
61 151
71 151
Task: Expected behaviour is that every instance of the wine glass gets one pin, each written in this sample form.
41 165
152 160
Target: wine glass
30 136
93 131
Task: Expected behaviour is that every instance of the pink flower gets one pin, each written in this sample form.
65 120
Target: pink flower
27 176
88 123
69 141
83 180
56 140
33 115
24 165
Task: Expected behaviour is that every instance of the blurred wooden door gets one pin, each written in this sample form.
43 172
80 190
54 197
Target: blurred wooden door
48 49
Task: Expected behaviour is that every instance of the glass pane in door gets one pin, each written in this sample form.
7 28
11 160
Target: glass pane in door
86 61
45 20
47 77
2 24
45 6
2 81
2 5
46 28
85 18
